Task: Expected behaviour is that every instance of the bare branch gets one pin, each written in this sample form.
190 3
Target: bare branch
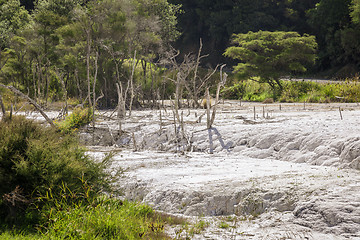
37 106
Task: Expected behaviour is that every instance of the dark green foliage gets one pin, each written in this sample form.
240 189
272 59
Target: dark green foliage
12 18
328 19
34 159
215 22
53 41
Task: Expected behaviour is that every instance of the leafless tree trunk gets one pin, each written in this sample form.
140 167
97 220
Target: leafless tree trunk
39 80
152 86
131 83
46 88
210 121
207 95
94 94
195 97
177 97
34 80
78 84
120 105
61 78
88 51
2 108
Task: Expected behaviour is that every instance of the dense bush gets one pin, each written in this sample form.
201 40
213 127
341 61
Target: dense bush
236 91
34 159
49 189
294 91
249 91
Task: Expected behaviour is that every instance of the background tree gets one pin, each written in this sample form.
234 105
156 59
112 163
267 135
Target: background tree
12 18
327 20
216 21
90 44
355 11
271 55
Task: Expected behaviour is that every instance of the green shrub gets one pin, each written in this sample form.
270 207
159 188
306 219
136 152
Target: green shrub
224 225
236 91
78 118
248 91
33 159
296 91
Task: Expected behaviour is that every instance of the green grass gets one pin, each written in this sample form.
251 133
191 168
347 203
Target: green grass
19 236
224 225
106 219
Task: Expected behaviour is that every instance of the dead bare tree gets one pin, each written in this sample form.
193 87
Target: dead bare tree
211 117
87 29
94 93
61 78
197 83
131 82
121 103
2 108
210 120
188 76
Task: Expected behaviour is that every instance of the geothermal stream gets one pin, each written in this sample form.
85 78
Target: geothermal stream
283 172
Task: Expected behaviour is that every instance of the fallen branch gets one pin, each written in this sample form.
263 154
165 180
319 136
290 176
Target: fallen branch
37 106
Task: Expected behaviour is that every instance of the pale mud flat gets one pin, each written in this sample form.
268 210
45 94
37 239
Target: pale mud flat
285 173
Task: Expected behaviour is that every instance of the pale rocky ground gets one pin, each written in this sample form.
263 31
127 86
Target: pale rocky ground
290 173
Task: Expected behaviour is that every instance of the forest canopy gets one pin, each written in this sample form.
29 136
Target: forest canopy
87 49
74 47
334 23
